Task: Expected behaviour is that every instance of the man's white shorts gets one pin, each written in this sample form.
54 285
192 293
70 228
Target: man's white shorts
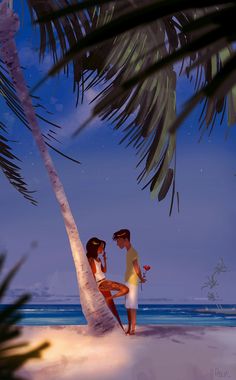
131 299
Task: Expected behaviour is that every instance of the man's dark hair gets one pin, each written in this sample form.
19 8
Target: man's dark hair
124 234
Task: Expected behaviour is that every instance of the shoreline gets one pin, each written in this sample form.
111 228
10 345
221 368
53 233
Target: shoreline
156 352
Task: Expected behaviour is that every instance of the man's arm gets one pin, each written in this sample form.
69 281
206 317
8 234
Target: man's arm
138 270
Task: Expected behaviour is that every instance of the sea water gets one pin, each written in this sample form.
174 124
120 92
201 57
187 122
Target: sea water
171 314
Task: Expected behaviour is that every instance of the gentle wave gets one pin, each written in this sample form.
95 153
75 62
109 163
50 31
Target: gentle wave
195 315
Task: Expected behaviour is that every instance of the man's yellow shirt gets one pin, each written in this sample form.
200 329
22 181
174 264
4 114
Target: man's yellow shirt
130 274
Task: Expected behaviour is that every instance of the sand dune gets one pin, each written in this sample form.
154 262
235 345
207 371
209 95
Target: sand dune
155 353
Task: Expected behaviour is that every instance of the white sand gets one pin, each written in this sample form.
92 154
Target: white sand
155 353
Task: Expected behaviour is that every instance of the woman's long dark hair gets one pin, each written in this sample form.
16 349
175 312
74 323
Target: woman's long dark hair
92 247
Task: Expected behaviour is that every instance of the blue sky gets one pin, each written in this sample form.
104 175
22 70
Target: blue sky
105 196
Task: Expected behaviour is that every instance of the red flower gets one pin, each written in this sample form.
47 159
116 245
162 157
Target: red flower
146 267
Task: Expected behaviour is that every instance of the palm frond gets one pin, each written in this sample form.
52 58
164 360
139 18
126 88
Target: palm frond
223 83
11 359
68 10
139 69
6 282
132 18
141 42
10 169
210 36
210 25
9 95
60 35
144 113
7 158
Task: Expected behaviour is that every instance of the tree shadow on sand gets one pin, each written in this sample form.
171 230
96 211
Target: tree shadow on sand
159 332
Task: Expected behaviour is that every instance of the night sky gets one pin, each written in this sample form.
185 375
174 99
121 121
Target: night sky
104 195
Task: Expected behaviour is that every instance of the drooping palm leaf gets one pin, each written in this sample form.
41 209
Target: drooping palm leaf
204 37
11 359
134 17
222 83
210 34
6 282
60 35
149 109
209 43
10 169
143 113
7 90
7 158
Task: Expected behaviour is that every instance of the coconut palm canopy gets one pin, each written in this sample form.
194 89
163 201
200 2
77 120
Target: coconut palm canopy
130 47
144 113
134 71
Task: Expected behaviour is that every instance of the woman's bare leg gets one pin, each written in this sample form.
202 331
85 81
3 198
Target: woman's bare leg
121 289
110 303
106 287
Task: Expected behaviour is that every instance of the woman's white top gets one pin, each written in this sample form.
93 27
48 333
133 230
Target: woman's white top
99 275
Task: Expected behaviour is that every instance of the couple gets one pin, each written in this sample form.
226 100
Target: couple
133 275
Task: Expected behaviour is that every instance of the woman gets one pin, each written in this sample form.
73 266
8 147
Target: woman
96 247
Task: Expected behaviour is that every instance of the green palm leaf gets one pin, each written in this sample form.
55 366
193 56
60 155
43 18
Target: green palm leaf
214 15
10 358
7 158
6 282
7 90
10 169
148 110
137 71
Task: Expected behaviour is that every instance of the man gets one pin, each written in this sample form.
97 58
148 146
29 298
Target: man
132 276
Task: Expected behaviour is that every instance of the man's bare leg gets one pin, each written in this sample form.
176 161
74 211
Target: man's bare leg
133 320
129 321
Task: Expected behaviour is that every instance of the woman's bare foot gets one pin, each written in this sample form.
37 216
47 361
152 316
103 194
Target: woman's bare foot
130 332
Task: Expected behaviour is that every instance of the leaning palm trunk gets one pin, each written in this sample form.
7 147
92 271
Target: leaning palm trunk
96 312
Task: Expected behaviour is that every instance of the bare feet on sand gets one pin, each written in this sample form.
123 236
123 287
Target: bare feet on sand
130 332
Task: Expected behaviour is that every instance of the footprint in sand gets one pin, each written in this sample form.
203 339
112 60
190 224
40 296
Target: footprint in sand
144 374
177 341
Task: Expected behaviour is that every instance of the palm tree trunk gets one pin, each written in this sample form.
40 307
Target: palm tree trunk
94 307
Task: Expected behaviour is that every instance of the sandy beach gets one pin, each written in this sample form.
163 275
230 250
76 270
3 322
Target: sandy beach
155 352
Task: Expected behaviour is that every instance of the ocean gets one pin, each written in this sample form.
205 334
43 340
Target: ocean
171 314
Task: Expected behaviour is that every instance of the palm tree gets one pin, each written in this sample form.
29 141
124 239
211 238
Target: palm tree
141 42
98 316
198 33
